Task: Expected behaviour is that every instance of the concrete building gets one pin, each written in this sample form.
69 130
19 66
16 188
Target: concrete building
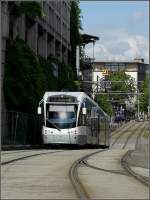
136 69
99 70
48 35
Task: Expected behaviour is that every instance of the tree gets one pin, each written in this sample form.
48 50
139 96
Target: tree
75 27
104 103
145 96
125 84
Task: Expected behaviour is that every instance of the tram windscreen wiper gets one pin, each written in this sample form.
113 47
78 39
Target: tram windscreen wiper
54 125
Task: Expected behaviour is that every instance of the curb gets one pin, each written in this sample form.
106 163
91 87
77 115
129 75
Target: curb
125 164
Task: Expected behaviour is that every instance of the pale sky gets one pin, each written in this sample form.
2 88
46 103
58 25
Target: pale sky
122 26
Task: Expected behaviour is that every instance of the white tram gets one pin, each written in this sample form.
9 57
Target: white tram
73 118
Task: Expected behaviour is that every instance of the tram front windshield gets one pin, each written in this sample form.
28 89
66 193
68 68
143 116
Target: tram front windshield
61 116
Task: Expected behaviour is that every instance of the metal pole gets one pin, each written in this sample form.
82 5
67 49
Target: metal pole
138 103
97 84
93 49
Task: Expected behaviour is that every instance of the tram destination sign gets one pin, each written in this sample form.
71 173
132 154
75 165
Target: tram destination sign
62 99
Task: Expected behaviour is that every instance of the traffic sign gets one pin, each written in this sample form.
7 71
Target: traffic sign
105 72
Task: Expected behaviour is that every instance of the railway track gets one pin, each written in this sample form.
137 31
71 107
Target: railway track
73 172
75 180
120 134
121 128
14 152
28 156
133 133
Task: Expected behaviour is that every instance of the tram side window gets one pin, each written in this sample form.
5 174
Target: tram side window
94 113
85 120
82 119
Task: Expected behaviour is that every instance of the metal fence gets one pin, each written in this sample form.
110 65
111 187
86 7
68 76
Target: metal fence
21 128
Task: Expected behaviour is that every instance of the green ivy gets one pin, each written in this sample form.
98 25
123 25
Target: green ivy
31 8
28 77
22 81
48 79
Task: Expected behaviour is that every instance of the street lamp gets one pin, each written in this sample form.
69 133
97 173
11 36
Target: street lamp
93 49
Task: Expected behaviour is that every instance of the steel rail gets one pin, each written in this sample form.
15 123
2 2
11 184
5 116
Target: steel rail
139 131
28 156
74 178
73 172
142 179
113 171
106 170
14 152
76 183
121 134
120 129
137 139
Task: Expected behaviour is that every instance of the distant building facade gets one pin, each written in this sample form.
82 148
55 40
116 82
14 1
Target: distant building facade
136 69
99 71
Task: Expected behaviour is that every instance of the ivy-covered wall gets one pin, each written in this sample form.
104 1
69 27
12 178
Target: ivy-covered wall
32 9
27 77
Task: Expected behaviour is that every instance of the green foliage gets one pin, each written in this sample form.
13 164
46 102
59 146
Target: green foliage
75 23
104 103
31 8
127 86
66 78
28 77
75 27
48 79
77 85
144 98
22 81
